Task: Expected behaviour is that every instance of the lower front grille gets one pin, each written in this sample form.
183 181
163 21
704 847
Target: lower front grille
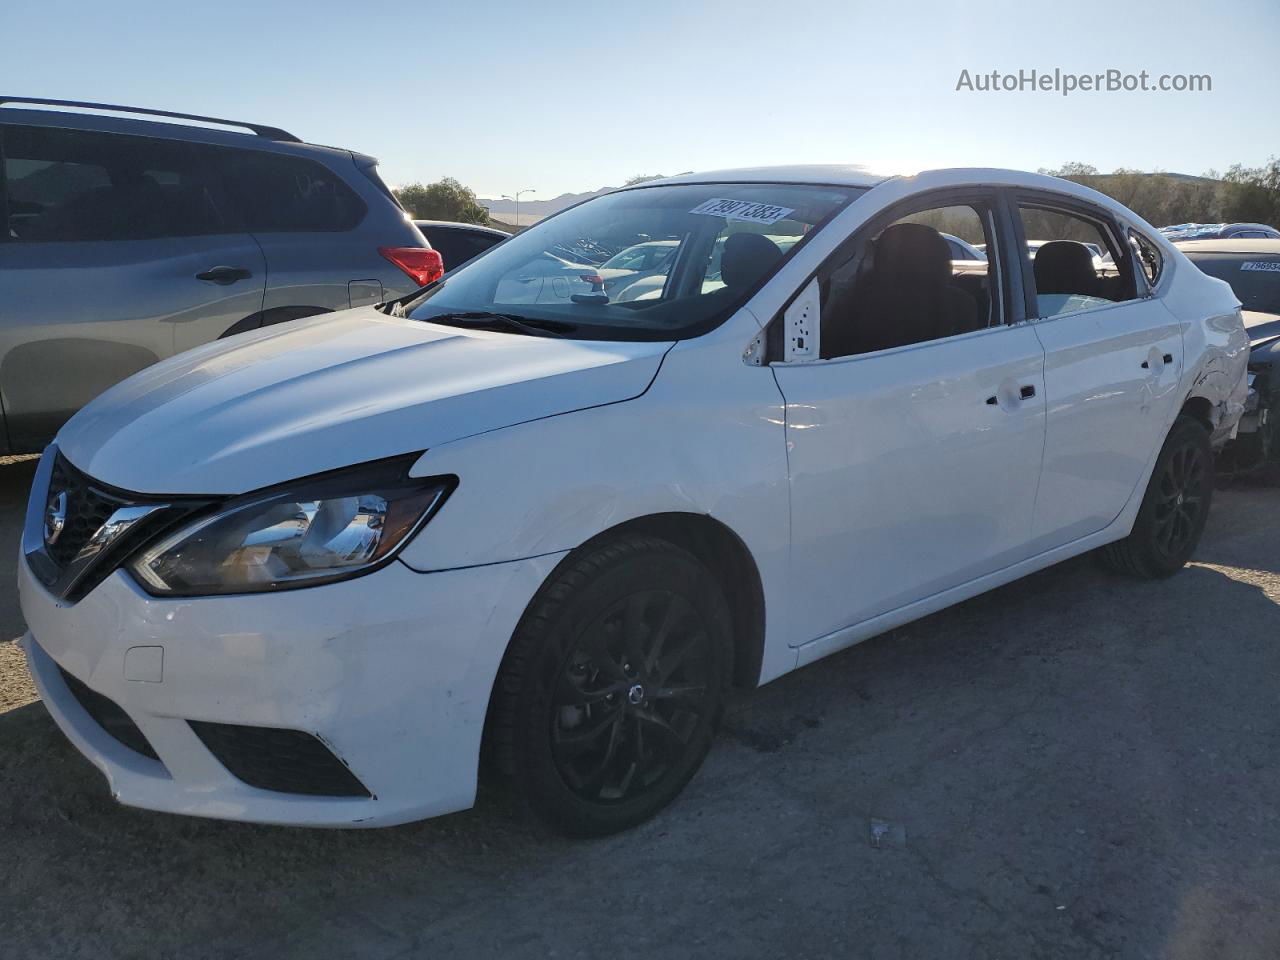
109 716
285 761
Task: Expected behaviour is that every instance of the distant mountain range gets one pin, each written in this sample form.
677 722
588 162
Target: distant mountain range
531 210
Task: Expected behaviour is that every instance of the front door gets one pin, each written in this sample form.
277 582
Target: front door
913 465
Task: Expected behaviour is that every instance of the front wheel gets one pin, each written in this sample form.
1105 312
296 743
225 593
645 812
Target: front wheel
1174 508
610 693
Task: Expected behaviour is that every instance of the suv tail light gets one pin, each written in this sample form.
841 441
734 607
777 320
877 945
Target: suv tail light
422 265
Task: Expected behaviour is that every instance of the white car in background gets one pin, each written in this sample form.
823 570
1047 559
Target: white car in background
310 574
649 259
963 250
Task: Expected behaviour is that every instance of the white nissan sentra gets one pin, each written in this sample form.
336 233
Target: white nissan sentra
314 573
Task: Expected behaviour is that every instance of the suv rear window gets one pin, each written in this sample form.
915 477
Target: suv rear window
283 194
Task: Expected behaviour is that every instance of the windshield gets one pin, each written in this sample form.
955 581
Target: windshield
1254 277
657 263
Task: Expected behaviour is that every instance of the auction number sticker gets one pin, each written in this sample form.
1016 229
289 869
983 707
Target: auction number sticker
745 210
1267 266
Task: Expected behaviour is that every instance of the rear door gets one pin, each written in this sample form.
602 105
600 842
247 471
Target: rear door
116 246
1113 361
308 221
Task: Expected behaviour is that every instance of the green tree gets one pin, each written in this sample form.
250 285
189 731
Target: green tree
445 199
1252 194
1072 170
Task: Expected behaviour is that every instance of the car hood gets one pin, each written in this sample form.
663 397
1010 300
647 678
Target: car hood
335 390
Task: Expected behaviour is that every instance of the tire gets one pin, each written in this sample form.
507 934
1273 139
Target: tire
1174 508
588 740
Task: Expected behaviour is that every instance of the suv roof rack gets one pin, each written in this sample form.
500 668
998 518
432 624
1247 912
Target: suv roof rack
271 133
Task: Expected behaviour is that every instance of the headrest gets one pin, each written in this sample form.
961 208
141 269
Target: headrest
1064 266
910 253
746 258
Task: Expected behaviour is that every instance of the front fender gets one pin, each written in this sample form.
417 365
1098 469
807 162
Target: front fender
708 437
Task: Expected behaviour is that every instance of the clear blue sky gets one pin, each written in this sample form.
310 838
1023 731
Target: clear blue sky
567 96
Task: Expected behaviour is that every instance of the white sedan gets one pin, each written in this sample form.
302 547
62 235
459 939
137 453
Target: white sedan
312 573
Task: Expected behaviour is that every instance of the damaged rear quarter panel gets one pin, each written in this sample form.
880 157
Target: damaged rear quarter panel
1215 342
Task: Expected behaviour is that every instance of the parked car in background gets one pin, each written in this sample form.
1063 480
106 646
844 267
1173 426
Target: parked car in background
128 238
1252 268
1220 231
458 242
962 249
649 259
311 577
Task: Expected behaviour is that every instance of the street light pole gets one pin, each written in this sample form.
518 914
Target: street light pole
516 198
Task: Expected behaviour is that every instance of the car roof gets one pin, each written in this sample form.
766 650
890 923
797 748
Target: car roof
455 225
1247 245
853 175
828 174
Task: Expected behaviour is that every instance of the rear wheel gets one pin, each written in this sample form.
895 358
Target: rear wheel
1174 508
609 696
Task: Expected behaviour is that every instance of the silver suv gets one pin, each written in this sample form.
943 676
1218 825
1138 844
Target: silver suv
126 240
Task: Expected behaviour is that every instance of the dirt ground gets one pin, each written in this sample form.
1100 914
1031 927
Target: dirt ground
1072 766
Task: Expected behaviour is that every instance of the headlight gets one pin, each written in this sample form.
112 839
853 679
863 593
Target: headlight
316 530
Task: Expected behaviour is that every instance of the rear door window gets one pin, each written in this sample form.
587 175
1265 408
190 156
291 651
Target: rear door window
77 186
1068 275
276 193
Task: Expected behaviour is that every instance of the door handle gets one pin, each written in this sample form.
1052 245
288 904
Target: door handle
1167 358
1026 392
224 275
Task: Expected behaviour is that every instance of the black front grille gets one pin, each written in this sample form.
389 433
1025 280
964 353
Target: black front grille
286 761
109 716
87 509
69 566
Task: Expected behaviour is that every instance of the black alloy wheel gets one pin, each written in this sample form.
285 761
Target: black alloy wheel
610 692
1174 508
1180 500
631 696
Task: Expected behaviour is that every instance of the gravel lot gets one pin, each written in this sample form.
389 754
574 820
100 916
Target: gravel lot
1072 766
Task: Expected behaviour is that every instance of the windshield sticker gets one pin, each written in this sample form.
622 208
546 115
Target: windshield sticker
744 210
1267 266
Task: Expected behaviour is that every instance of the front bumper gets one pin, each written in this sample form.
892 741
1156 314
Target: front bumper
391 671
